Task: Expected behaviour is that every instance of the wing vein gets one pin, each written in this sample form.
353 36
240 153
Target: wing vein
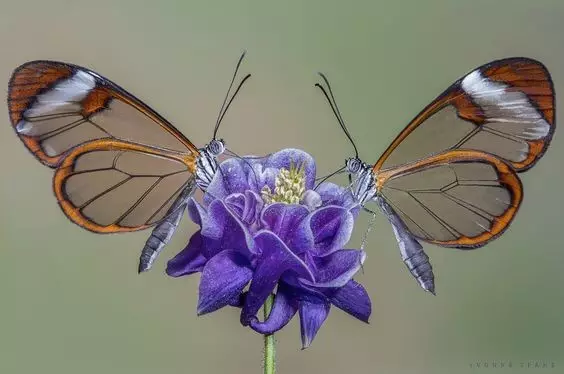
133 206
99 195
450 229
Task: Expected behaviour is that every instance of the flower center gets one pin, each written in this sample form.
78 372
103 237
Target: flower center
289 186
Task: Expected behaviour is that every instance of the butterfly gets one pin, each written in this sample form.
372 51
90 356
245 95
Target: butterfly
450 178
118 165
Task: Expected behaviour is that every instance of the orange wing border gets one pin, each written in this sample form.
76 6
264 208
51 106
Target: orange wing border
507 178
65 170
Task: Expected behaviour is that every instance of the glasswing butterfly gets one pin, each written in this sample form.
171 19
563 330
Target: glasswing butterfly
119 165
450 178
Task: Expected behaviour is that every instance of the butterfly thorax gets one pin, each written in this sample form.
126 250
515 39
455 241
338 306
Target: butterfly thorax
364 181
206 163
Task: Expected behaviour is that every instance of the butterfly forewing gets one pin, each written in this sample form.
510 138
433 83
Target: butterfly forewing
112 186
457 198
56 106
505 108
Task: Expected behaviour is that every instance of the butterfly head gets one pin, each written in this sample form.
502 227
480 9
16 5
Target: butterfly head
216 147
354 165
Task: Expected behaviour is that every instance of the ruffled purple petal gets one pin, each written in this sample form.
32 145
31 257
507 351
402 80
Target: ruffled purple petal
230 178
239 300
251 173
189 260
236 202
336 269
224 230
333 194
324 231
196 212
332 228
353 299
247 206
259 176
284 308
282 219
223 279
276 258
313 312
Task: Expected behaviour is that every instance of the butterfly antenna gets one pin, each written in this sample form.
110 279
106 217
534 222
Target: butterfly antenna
333 103
338 171
229 103
323 179
229 89
226 103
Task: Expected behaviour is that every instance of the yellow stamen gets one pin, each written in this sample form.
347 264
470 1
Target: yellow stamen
289 186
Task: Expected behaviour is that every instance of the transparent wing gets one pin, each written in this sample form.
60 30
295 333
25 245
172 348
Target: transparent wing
458 198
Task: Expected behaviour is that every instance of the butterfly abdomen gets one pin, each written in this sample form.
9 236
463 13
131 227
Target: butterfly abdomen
411 250
159 238
420 267
164 231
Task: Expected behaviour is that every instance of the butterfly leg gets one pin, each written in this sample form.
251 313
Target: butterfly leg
368 229
411 250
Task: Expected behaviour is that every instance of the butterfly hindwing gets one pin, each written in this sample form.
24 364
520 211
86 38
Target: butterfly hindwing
110 186
456 199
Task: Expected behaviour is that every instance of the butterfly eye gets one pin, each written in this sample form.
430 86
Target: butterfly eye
354 165
217 147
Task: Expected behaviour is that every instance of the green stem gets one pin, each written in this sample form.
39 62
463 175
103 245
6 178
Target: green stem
269 349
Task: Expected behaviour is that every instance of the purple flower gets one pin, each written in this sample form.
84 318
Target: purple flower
264 230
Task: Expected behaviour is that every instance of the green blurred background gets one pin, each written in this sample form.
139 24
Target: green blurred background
72 301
